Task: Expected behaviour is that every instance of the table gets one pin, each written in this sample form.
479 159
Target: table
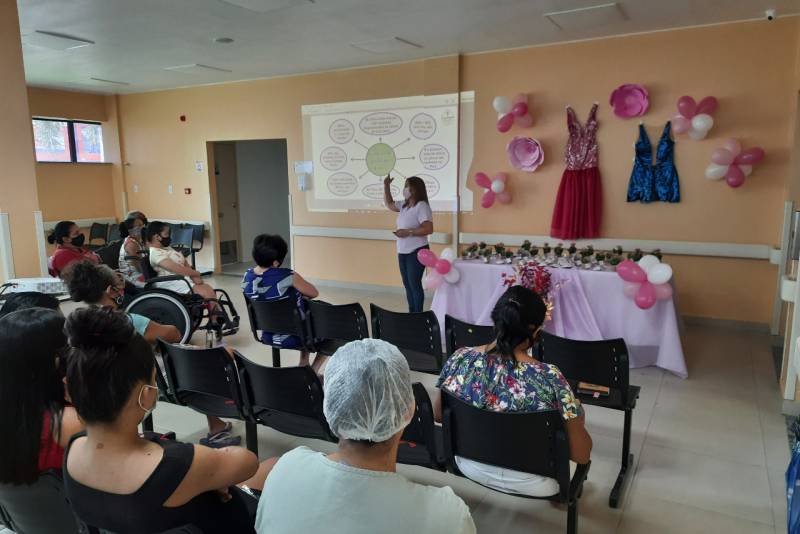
588 305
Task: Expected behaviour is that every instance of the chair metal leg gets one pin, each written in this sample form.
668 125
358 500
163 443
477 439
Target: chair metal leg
572 517
627 461
251 436
147 423
276 357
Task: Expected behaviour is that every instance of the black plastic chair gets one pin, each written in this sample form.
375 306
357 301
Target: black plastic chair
206 381
417 335
97 231
198 236
533 443
113 233
278 317
421 443
181 240
288 399
459 334
109 254
21 507
604 363
335 325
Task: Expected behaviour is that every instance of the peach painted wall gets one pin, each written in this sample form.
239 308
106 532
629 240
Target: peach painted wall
749 66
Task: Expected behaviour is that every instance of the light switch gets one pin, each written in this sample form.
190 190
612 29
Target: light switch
169 189
135 188
198 166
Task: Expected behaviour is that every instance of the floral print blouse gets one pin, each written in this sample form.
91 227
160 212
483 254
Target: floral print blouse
500 384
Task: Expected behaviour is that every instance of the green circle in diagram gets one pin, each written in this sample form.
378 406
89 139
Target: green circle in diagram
381 159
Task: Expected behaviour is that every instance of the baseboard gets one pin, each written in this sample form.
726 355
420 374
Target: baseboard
356 286
749 326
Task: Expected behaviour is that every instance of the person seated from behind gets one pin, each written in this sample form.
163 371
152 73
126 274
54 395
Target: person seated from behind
100 286
132 247
503 377
68 239
32 404
118 481
368 401
27 299
269 281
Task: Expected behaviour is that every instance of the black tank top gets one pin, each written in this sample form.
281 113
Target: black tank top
142 512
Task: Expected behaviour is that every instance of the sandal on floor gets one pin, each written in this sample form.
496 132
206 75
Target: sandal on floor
221 439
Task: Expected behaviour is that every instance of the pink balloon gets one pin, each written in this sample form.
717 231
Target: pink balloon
680 124
733 145
505 123
687 106
722 156
482 180
734 177
519 109
488 199
631 272
432 280
663 291
504 197
750 156
426 257
630 289
520 97
503 177
443 266
646 297
708 105
525 121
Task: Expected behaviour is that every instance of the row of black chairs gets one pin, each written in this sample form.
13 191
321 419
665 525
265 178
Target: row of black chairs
186 238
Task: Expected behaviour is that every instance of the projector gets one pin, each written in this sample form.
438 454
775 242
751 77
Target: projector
48 285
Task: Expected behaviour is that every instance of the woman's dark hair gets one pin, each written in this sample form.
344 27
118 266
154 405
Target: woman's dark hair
268 249
61 231
30 385
137 215
419 193
518 312
87 282
155 228
28 299
108 359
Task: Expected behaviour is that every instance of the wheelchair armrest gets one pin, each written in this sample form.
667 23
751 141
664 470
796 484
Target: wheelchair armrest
173 277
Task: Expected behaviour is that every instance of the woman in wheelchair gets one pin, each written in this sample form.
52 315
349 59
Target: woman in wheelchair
68 239
131 230
100 286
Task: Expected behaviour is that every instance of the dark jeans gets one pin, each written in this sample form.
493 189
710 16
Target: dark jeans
412 270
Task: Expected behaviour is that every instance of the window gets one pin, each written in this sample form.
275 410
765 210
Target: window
69 141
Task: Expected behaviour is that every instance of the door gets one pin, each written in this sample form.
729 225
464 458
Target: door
225 169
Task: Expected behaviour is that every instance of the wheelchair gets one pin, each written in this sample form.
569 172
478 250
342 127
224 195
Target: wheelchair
188 312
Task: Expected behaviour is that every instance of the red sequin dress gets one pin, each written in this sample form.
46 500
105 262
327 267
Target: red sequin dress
579 203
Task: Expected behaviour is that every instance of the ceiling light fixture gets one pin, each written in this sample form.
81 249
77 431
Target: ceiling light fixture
115 82
54 41
196 68
385 46
223 40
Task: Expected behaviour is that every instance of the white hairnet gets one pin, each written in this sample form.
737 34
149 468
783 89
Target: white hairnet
368 393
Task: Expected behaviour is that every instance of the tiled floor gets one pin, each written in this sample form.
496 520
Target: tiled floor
710 451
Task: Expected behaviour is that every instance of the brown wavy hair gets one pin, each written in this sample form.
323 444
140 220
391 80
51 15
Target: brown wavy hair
418 191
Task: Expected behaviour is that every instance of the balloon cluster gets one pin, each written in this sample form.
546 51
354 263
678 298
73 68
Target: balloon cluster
646 281
494 189
732 163
510 112
442 269
694 118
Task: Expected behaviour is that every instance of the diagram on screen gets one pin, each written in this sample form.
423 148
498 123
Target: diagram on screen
354 150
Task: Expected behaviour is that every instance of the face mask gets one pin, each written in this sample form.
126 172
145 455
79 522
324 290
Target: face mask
135 232
153 407
406 193
78 241
165 241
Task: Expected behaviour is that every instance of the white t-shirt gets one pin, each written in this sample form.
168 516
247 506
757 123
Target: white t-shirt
307 492
408 218
157 256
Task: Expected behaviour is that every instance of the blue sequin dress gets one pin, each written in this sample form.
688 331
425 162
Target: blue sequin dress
657 182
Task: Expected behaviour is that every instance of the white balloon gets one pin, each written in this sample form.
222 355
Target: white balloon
501 104
747 170
500 116
648 262
498 186
697 134
659 274
448 254
716 172
702 122
452 277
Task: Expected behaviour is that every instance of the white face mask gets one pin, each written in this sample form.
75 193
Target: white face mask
406 193
146 411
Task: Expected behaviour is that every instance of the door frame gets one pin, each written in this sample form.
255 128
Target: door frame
212 166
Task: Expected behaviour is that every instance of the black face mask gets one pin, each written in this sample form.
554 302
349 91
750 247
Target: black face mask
165 241
78 241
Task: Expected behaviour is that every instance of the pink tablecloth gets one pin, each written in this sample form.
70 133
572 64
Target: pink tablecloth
589 305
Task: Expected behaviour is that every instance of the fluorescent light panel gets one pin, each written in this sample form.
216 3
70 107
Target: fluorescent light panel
586 17
264 6
103 80
385 46
196 68
54 41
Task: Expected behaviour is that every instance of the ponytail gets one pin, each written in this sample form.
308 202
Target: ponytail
516 316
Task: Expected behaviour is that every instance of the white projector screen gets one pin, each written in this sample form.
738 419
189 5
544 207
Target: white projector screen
354 145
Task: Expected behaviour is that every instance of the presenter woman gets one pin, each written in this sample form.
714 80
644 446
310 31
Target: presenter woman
414 225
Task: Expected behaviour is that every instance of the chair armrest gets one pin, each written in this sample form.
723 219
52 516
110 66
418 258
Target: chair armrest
174 277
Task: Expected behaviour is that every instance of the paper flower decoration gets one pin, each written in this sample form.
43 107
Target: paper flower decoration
629 100
525 154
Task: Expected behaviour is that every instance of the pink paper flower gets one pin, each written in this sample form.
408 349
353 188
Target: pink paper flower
629 100
525 154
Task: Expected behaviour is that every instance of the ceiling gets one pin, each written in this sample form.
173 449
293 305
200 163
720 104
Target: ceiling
136 40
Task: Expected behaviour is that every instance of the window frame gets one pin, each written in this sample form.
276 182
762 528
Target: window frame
73 150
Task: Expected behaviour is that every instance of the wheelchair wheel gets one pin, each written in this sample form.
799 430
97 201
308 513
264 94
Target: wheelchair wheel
166 308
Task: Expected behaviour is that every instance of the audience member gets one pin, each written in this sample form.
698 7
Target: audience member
132 270
135 214
69 239
121 482
32 406
269 281
368 403
27 299
504 377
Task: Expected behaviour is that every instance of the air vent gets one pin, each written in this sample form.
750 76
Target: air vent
103 80
196 68
54 41
265 6
584 18
385 46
